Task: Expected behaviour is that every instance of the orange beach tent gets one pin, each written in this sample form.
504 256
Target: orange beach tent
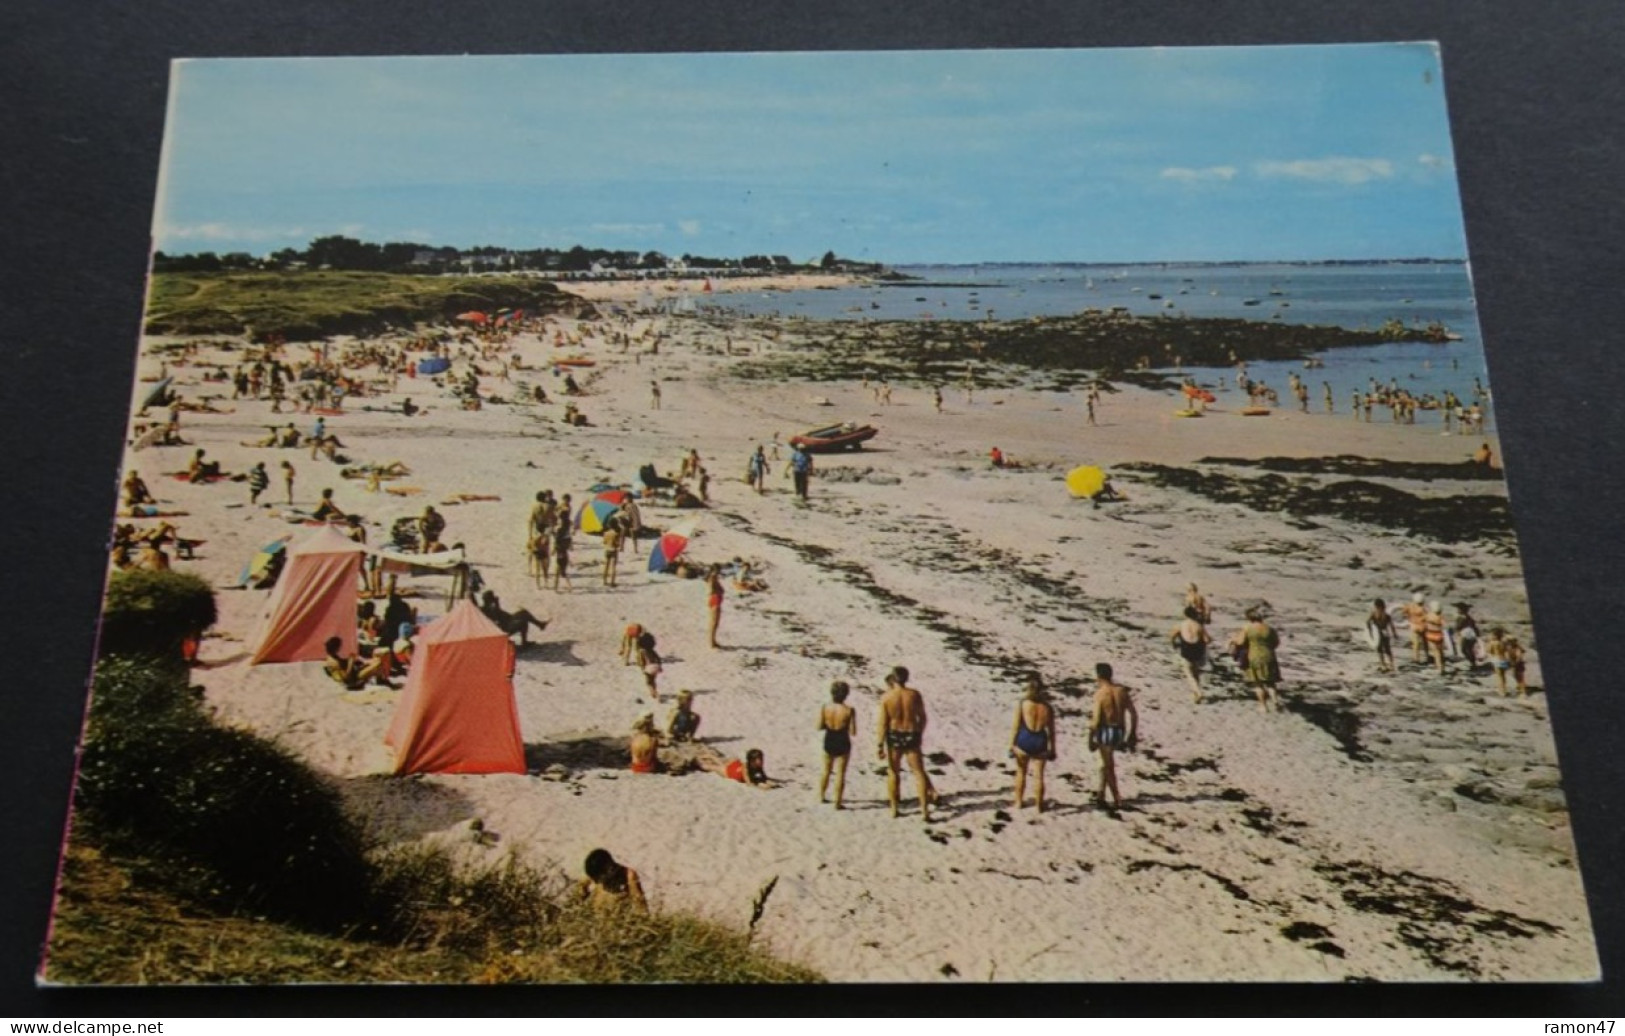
457 713
315 599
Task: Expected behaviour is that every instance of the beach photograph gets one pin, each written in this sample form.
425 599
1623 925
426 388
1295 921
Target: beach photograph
963 516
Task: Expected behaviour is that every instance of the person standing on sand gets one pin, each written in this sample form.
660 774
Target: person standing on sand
654 395
561 551
1416 614
801 466
1261 668
258 480
839 724
902 734
1512 650
1433 634
1190 638
1381 626
612 551
936 397
1114 725
1089 404
756 470
714 595
1032 740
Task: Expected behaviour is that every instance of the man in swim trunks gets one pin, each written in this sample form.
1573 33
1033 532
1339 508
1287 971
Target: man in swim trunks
902 730
838 721
1032 739
1114 725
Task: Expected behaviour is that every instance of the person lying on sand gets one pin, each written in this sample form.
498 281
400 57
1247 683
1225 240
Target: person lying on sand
611 885
512 623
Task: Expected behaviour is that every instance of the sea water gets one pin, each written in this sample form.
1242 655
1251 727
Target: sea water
1361 296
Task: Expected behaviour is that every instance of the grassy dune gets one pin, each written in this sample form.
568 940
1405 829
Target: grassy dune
311 304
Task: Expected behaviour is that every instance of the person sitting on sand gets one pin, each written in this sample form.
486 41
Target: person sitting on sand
611 885
684 722
685 498
649 663
290 437
431 526
512 623
202 470
1190 638
352 672
408 407
645 745
1114 725
999 460
136 492
327 510
1032 739
838 721
400 652
1381 625
744 581
369 633
151 557
901 737
1107 494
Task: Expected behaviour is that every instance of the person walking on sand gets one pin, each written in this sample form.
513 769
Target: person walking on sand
1512 651
1032 740
901 736
654 395
1261 668
801 466
1380 625
1114 725
1190 638
1416 614
838 722
936 397
714 594
258 480
649 663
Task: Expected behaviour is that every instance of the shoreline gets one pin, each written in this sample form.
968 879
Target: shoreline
1244 829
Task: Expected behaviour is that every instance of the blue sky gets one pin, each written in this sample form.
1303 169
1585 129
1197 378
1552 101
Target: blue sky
921 156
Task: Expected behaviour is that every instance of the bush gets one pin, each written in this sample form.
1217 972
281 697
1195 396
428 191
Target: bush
151 613
241 819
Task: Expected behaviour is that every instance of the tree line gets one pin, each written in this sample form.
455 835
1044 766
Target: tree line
337 252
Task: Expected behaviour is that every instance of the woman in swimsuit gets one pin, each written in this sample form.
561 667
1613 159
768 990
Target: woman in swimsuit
713 587
1262 670
1190 638
644 745
1032 740
838 721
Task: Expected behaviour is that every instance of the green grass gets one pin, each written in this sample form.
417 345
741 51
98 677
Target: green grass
302 305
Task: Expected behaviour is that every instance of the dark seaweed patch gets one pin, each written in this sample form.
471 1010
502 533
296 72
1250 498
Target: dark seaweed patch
1136 866
1366 467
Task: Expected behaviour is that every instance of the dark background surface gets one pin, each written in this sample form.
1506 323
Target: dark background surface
1535 94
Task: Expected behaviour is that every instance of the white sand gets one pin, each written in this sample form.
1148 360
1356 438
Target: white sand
1242 824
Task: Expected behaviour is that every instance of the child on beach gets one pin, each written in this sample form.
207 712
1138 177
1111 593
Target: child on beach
684 722
611 885
649 663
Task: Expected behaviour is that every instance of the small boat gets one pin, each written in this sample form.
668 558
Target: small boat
575 361
1249 302
835 438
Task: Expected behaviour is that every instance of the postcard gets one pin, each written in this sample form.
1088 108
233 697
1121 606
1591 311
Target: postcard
1024 515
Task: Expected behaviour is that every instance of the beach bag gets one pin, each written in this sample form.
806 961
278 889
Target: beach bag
1239 654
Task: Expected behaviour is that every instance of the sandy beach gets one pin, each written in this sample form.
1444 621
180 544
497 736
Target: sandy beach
1386 827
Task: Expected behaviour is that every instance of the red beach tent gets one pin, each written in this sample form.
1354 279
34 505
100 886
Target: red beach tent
457 713
315 599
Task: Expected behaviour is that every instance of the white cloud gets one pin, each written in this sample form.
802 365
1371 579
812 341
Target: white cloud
1432 161
1329 170
689 227
1212 172
227 232
641 229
